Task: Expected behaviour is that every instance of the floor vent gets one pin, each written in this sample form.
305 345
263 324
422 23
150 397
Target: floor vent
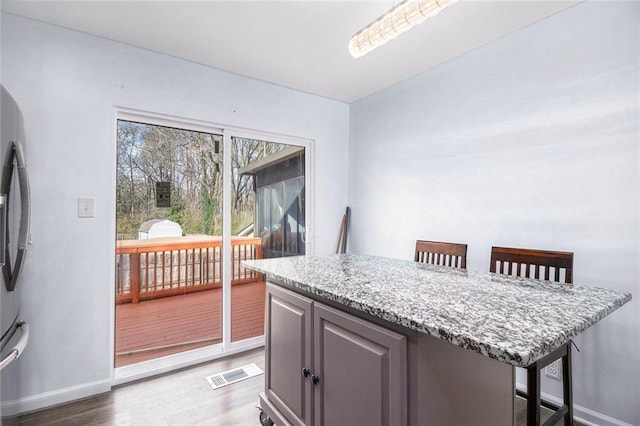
233 376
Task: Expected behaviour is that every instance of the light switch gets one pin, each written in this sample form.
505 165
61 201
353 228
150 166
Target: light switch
86 207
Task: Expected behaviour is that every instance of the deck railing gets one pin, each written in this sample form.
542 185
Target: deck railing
159 267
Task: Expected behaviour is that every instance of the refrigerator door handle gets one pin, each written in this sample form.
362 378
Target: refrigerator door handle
25 198
18 348
25 213
11 274
3 228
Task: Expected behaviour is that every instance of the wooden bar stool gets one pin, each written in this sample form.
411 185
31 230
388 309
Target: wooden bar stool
530 264
445 254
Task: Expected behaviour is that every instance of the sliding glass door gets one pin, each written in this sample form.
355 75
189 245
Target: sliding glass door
193 202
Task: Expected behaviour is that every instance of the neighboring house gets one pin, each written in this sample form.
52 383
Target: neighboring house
279 211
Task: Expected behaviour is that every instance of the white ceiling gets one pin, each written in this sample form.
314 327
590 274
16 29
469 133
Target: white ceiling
297 44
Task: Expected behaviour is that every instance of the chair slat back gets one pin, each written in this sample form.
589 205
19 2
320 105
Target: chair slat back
438 253
532 263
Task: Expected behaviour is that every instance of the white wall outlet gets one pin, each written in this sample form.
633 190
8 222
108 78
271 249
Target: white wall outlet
553 370
86 207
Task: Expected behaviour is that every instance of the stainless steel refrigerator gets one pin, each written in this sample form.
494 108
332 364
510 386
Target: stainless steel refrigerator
14 239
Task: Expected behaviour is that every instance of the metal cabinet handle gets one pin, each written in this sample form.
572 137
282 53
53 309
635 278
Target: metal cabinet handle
306 372
315 379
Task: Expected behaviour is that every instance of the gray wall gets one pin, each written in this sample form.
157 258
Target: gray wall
530 141
67 85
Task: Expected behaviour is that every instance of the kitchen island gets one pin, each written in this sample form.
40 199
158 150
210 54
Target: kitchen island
381 341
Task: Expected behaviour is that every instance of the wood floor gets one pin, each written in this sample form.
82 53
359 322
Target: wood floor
180 398
164 326
175 399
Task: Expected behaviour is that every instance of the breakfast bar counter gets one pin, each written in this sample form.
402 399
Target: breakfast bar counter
499 322
514 320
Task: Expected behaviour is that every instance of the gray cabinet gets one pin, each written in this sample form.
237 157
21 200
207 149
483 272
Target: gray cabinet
288 356
327 367
362 369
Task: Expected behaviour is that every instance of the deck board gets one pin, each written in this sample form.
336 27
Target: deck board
171 322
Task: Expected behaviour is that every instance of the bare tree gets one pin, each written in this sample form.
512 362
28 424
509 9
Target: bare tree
192 163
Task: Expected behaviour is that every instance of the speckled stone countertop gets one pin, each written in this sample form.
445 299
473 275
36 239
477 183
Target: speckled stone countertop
513 320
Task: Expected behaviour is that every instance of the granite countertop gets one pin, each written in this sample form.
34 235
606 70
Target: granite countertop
513 320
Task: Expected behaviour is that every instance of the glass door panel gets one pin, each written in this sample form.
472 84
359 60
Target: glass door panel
267 221
169 243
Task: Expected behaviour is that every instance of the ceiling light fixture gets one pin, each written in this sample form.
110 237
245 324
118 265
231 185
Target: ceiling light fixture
396 21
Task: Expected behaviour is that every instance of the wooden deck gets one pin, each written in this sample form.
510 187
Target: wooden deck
170 266
167 325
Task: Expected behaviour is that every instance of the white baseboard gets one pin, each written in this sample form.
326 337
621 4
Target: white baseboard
53 398
583 414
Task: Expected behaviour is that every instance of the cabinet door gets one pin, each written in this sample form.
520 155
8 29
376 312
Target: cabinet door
288 349
362 370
